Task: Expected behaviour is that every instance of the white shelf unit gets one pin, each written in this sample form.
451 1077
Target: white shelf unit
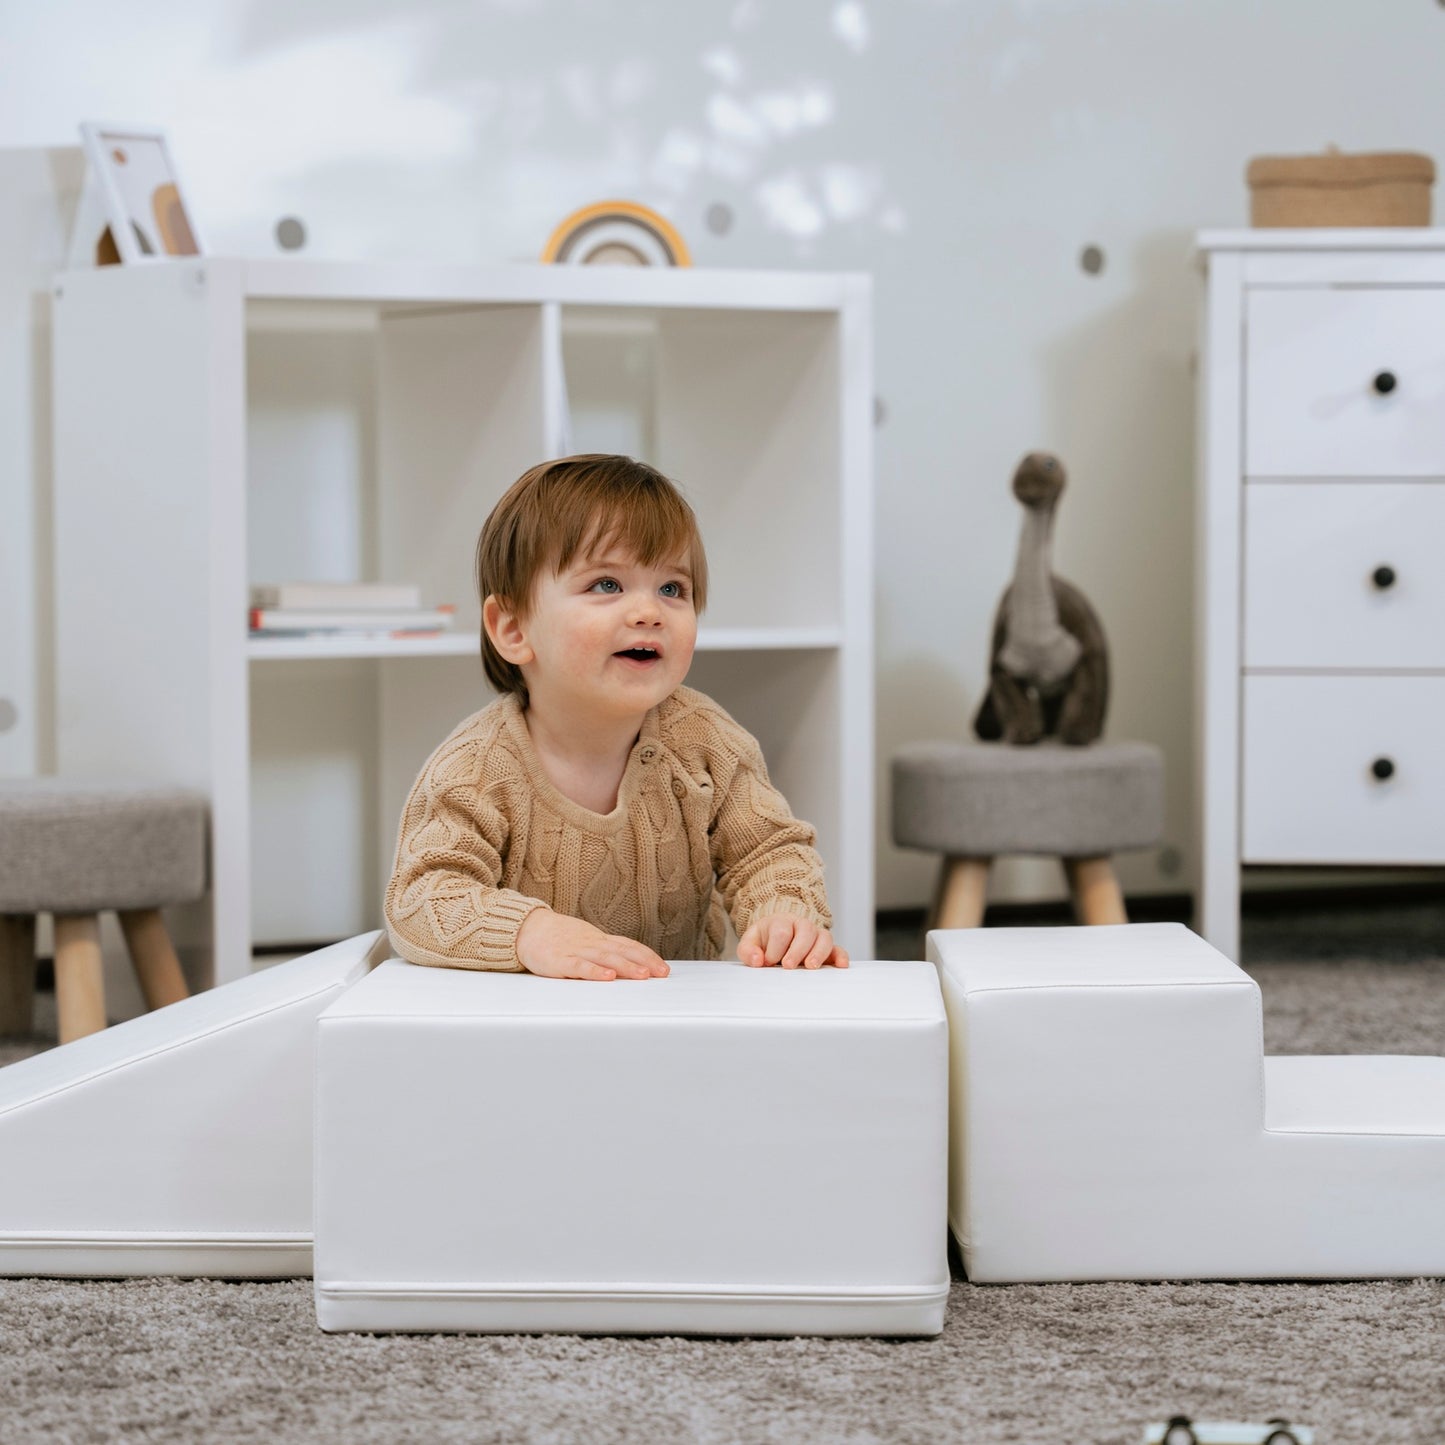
1320 522
220 422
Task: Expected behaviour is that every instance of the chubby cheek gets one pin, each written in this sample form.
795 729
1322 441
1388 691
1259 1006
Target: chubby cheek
684 644
589 645
603 634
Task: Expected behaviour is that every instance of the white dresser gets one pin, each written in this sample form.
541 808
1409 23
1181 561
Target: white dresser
1320 597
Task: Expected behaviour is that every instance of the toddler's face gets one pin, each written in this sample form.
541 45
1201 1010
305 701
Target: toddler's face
610 633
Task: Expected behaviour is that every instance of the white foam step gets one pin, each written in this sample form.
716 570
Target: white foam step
177 1143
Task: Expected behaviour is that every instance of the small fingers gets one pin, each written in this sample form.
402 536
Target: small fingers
590 968
804 937
780 934
626 965
748 950
821 950
655 965
840 958
640 960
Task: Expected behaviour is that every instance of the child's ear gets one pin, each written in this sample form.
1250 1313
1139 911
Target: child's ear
505 629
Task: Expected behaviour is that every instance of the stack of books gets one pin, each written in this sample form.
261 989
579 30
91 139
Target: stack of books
350 609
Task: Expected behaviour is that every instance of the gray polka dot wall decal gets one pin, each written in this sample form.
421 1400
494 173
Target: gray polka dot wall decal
1091 258
719 218
880 411
1170 861
8 715
290 234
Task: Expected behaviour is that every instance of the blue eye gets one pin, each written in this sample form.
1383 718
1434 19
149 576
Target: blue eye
673 589
607 583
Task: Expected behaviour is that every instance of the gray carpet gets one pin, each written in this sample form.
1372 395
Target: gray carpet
166 1360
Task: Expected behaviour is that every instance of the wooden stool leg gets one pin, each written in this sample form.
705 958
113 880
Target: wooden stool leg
156 964
17 974
1097 898
79 982
962 892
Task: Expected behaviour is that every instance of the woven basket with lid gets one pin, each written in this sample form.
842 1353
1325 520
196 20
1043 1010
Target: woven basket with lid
1384 188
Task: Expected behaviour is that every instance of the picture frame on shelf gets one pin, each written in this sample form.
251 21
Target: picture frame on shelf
135 191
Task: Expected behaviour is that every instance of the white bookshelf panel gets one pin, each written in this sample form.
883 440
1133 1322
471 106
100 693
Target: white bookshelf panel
463 411
610 361
311 455
323 646
408 285
314 806
766 639
466 643
742 410
749 425
149 508
336 746
122 485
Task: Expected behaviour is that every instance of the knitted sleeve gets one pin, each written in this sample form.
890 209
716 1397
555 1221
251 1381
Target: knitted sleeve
763 856
443 905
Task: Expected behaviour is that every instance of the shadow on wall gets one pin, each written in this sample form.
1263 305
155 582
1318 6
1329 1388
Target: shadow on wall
483 125
1119 397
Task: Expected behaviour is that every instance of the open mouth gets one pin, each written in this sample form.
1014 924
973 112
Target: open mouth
640 654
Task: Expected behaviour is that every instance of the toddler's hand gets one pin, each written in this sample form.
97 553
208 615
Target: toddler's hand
556 945
791 941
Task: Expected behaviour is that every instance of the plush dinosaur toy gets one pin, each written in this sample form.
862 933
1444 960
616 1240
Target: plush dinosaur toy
1049 673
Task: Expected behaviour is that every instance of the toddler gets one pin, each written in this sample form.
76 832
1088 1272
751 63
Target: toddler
597 818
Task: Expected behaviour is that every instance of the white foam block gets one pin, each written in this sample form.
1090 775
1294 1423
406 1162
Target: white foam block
177 1143
1114 1117
724 1151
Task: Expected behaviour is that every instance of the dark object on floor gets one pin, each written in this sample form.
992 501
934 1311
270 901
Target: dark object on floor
1181 1430
1049 662
75 849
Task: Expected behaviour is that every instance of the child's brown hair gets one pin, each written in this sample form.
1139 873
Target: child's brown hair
572 506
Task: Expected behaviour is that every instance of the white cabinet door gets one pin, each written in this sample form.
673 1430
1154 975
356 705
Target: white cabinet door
1344 770
1345 382
1344 575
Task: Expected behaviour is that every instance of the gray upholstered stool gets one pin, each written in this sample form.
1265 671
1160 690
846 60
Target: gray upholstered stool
72 849
974 801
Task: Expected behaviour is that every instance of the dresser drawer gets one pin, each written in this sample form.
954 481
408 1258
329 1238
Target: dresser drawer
1346 382
1344 575
1310 794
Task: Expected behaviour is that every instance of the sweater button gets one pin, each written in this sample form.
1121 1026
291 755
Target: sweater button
648 754
679 788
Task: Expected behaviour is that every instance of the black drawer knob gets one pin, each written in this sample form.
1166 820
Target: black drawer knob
1383 578
1384 382
1383 768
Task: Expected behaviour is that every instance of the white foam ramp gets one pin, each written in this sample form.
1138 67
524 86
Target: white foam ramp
177 1143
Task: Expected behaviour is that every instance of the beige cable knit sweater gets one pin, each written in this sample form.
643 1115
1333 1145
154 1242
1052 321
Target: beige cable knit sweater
486 837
